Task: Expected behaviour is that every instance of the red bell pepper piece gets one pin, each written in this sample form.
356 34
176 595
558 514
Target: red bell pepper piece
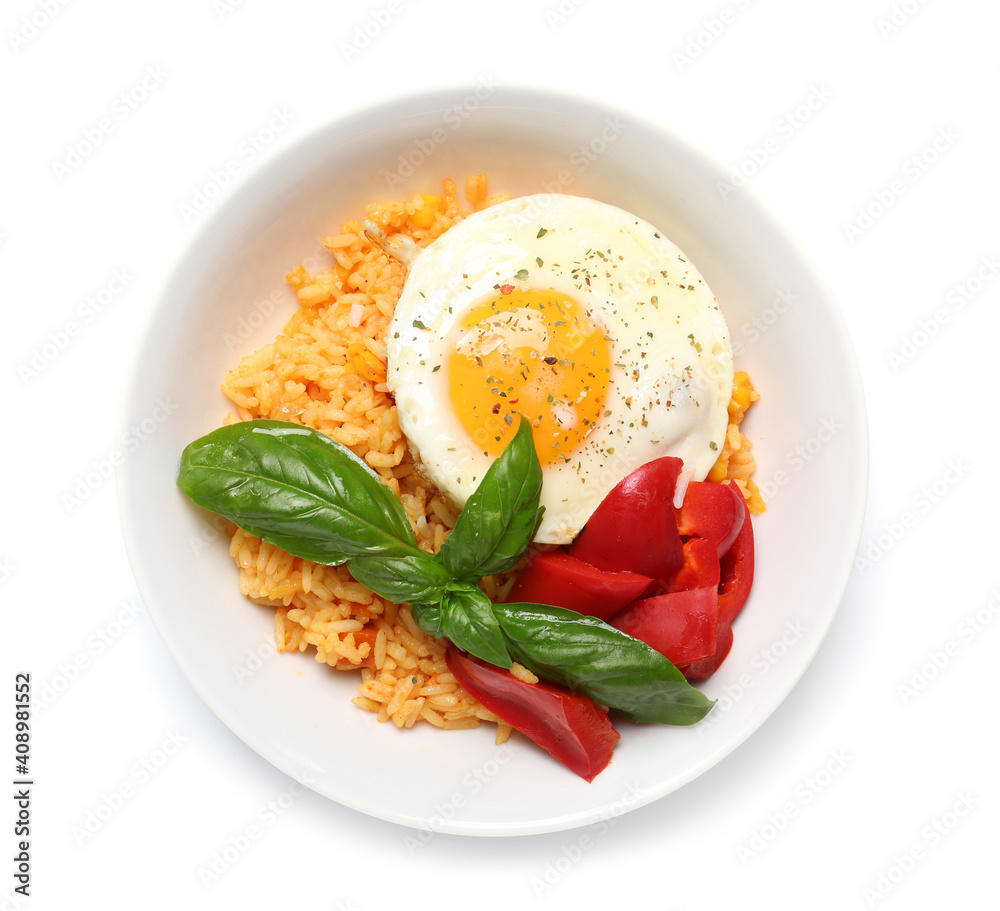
737 569
634 528
703 669
570 726
683 625
736 575
701 568
557 578
711 511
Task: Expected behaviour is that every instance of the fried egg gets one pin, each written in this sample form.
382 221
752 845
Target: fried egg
577 315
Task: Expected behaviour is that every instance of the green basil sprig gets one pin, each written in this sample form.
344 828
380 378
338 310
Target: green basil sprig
465 615
297 489
609 666
305 493
501 517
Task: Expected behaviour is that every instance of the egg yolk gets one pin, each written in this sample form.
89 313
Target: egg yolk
535 353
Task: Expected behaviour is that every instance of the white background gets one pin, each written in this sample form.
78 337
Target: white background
873 785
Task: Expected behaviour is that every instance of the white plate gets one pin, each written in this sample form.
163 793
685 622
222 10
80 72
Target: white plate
227 296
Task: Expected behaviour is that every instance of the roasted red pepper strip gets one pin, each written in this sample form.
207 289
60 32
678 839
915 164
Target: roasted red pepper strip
736 581
557 578
569 726
634 528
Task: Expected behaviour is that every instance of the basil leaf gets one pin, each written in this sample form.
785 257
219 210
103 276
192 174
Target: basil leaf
401 579
465 616
606 664
500 519
297 489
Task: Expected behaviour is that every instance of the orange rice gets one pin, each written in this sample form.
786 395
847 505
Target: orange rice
327 370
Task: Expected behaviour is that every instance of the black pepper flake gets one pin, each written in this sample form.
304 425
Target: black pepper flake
551 360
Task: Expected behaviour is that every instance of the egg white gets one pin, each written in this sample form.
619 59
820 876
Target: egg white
673 363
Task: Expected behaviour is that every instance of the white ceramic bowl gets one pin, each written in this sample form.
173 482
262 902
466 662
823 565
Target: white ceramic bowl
227 296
